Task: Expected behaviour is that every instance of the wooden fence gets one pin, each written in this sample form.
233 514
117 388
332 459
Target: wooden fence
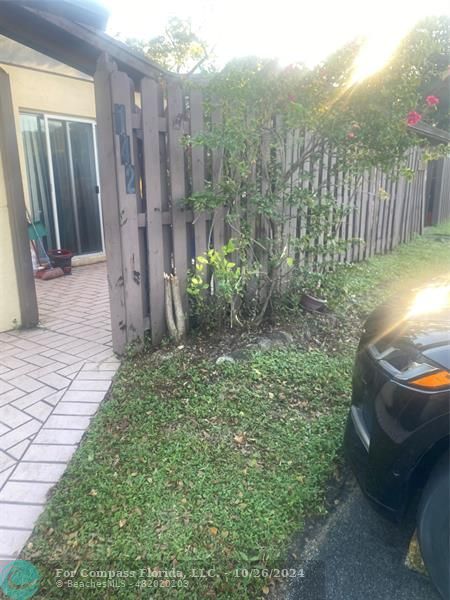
146 174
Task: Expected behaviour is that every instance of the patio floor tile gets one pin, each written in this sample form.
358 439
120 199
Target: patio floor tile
15 436
40 410
83 396
25 492
49 453
52 380
67 422
5 461
59 436
28 399
12 417
42 472
90 385
12 541
18 450
76 408
21 516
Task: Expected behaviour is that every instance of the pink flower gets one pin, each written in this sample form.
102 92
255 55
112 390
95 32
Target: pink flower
413 117
350 135
432 100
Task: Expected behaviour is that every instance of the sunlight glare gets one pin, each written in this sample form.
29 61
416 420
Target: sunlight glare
377 49
429 300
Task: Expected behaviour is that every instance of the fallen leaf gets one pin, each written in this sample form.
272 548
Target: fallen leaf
213 530
265 590
240 438
122 522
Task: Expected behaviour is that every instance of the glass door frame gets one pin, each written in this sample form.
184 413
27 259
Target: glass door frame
54 205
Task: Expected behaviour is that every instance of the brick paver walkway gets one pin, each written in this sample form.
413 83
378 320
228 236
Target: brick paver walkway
52 380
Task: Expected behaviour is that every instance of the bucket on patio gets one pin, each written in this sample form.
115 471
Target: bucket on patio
61 258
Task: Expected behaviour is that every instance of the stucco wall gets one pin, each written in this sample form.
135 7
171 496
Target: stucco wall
38 91
54 93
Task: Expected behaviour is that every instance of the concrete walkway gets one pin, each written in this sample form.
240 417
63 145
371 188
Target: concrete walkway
52 380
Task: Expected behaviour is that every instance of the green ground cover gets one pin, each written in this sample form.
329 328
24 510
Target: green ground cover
209 469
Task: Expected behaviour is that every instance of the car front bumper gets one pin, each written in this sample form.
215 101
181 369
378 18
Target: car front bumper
357 445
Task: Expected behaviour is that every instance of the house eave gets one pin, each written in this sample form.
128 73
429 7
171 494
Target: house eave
74 44
433 134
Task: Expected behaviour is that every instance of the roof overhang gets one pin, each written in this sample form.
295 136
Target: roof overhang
433 134
75 44
88 12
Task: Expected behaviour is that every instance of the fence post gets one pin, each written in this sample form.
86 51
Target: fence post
217 164
421 204
198 169
305 184
110 202
293 216
362 216
284 158
153 196
399 199
441 202
381 211
175 121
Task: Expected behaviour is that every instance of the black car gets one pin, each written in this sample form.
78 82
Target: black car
397 435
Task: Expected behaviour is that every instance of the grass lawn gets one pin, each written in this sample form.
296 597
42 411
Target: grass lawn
208 469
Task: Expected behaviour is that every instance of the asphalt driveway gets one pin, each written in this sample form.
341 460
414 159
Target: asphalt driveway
357 554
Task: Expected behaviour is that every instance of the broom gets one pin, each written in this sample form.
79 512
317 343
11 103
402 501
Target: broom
36 231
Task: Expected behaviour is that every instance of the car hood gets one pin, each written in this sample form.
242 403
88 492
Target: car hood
431 338
428 334
439 355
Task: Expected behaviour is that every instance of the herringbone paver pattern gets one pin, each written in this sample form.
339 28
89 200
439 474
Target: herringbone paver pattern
52 380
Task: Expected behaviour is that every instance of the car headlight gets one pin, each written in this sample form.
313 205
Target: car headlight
421 374
412 368
436 380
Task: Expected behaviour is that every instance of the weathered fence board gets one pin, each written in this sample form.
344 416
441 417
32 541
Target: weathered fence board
217 165
128 210
110 202
177 177
198 169
153 191
363 216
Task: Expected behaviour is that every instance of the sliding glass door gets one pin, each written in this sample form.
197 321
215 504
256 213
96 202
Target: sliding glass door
63 181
